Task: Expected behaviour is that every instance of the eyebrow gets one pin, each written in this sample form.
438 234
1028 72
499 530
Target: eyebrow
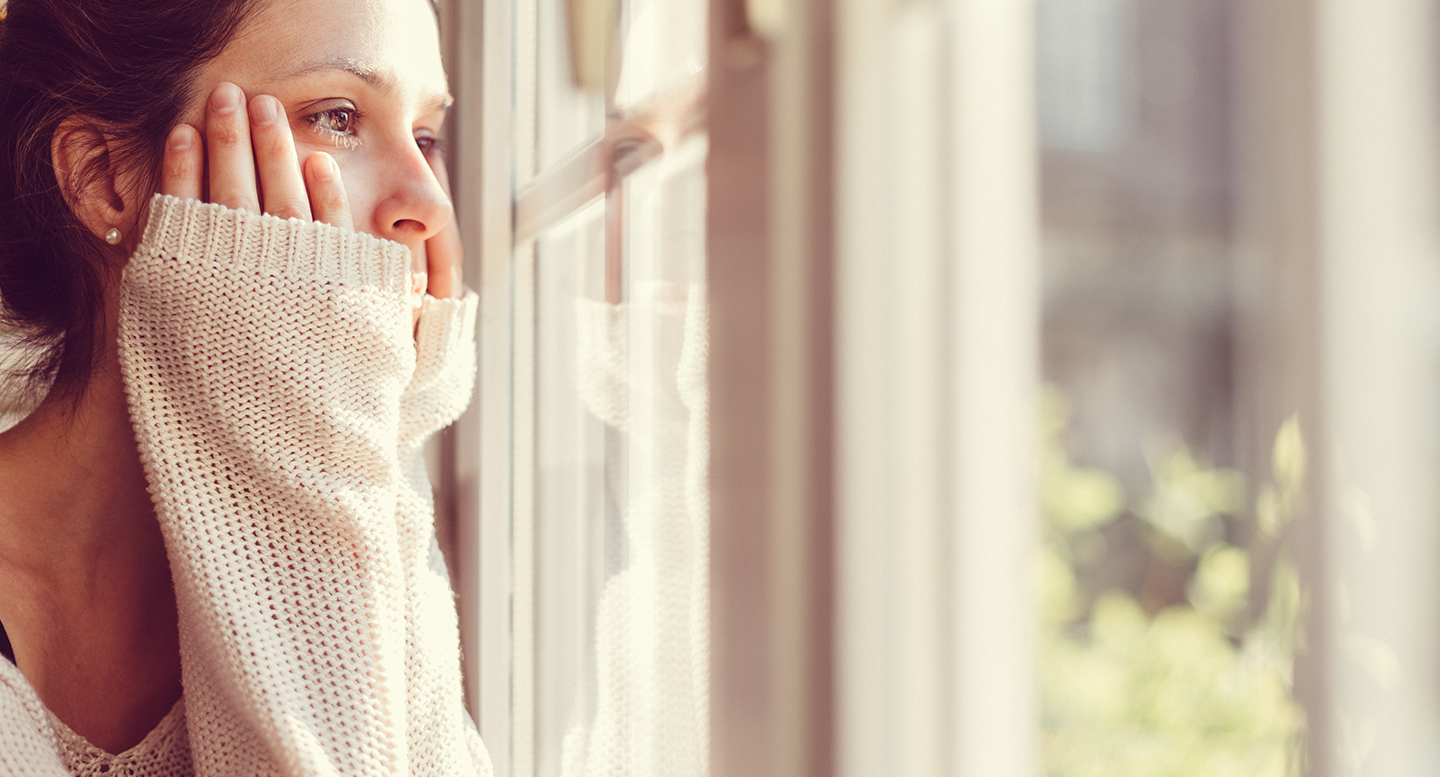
364 71
439 103
382 82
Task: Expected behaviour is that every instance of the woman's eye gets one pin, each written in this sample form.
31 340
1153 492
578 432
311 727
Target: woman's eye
336 123
430 146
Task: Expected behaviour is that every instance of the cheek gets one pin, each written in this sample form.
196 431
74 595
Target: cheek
360 179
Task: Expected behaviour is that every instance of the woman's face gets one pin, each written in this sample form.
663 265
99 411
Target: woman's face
363 81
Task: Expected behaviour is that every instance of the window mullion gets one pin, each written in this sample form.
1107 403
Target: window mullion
628 143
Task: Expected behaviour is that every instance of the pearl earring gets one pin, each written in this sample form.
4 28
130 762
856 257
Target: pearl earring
112 236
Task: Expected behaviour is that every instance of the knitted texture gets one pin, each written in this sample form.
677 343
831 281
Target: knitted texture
281 395
641 369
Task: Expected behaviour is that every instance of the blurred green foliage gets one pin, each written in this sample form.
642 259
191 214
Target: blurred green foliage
1184 670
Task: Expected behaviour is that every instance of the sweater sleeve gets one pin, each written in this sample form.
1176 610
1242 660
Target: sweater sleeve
444 377
271 370
438 392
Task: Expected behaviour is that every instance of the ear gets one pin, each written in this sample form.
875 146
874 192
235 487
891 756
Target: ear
80 153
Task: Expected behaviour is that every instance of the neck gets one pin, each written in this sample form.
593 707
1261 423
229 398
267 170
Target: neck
87 599
74 488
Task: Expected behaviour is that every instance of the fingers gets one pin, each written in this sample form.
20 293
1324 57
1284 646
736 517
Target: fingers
184 164
282 190
445 259
327 193
242 142
444 254
232 162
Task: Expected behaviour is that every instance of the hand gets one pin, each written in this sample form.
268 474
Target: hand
240 141
444 253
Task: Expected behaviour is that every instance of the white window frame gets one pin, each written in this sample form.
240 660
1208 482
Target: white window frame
487 482
788 390
800 645
476 483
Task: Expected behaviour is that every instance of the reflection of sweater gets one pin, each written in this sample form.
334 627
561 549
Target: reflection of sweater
280 399
640 369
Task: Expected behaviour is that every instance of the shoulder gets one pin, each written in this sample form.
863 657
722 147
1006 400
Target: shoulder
28 746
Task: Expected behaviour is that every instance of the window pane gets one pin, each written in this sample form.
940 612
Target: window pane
659 693
567 117
622 512
1169 601
665 43
573 507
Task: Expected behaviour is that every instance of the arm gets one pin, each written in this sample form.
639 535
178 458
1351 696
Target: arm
272 370
264 361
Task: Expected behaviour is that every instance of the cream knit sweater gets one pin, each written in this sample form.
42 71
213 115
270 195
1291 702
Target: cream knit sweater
280 398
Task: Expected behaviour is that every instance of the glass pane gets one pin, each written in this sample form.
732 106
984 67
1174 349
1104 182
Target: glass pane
576 455
567 117
664 44
622 497
1169 603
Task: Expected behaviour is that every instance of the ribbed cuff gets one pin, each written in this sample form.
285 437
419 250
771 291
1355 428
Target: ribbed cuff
446 325
195 230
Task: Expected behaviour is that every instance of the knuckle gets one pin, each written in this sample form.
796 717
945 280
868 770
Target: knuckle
276 144
178 166
288 210
334 199
225 134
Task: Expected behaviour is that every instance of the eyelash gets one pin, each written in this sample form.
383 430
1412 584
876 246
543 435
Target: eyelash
429 146
347 139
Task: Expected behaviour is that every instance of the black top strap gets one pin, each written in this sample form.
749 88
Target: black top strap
5 649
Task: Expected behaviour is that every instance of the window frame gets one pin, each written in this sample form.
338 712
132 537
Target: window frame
475 484
487 474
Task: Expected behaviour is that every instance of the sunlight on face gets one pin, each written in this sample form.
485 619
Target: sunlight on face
362 80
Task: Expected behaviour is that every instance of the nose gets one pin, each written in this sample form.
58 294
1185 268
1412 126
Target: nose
413 207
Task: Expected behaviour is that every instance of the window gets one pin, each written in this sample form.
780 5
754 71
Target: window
881 204
595 371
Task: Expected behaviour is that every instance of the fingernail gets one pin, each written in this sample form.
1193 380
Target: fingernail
325 170
262 110
181 138
225 98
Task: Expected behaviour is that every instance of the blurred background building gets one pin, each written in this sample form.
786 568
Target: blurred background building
1136 116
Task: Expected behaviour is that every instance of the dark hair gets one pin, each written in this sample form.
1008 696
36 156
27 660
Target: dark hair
126 68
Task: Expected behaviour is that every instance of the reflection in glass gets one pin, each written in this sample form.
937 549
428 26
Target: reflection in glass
665 43
622 508
567 117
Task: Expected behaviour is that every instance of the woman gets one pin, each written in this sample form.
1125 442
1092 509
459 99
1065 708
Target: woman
216 543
